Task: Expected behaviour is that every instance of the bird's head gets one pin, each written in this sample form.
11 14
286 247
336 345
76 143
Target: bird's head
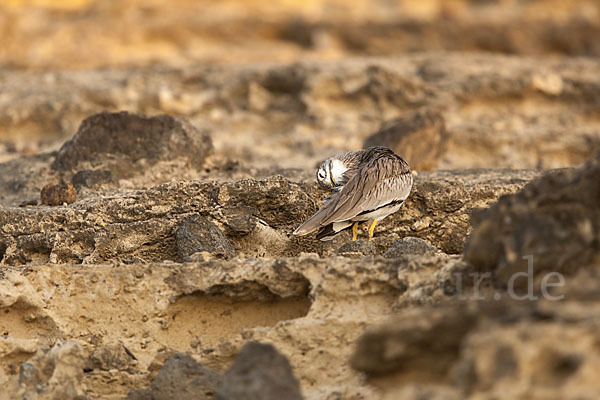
330 174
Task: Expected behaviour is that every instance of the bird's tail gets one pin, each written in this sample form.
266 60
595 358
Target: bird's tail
328 232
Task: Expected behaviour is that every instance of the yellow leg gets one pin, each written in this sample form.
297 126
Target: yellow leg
354 231
372 229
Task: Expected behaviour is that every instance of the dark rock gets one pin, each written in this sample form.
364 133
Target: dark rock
159 360
409 245
182 377
32 202
116 141
56 195
91 178
198 234
239 220
115 356
360 247
259 372
419 137
554 219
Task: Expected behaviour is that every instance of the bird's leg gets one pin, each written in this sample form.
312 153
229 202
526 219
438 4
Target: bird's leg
354 231
372 229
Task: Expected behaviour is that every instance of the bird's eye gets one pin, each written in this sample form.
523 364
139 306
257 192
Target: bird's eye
321 175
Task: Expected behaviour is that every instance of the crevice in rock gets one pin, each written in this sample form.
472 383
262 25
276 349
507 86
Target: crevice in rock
206 319
3 247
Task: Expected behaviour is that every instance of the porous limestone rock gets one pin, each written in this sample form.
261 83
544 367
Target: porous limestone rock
258 216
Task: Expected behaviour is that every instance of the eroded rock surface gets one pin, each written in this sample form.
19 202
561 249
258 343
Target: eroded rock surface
254 218
554 220
212 308
492 347
499 112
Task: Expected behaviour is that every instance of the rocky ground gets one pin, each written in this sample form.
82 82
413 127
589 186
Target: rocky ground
148 199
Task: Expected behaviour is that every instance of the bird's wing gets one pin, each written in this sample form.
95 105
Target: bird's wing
378 183
348 175
314 222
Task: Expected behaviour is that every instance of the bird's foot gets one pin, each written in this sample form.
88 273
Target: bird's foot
372 229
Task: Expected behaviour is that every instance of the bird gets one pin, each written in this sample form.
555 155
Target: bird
377 186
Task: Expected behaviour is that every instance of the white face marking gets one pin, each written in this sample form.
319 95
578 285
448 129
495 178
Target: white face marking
337 171
331 174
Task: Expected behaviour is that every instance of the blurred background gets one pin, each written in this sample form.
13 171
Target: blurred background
483 83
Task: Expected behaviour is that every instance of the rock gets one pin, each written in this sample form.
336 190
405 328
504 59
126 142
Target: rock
285 201
481 347
419 137
555 220
32 202
56 195
93 178
264 240
239 220
357 248
409 245
199 234
109 357
312 308
182 377
259 372
159 360
329 107
427 342
53 374
134 226
440 205
125 143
